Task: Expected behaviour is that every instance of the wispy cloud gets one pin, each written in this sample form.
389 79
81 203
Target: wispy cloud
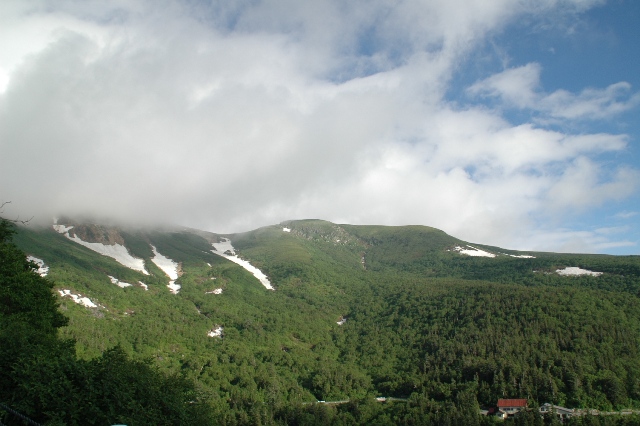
626 215
520 87
572 241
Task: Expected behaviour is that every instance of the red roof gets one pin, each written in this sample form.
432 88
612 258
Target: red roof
512 403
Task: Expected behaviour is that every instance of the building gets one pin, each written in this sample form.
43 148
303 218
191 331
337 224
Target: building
562 412
509 407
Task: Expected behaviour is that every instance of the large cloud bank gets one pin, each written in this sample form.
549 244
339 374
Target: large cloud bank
229 115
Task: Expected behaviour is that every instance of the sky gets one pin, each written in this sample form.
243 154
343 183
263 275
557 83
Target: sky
504 122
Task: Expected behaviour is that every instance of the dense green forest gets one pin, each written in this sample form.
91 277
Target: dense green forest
42 378
443 333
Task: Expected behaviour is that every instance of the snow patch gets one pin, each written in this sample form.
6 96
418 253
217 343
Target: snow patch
143 285
473 252
216 291
286 229
226 250
62 229
116 251
119 283
209 264
84 301
173 287
521 256
223 247
574 270
43 269
216 332
169 267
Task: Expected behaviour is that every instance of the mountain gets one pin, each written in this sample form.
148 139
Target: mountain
269 320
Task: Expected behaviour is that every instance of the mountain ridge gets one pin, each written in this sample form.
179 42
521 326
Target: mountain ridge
358 311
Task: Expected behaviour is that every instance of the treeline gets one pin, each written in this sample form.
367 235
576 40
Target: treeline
619 273
568 346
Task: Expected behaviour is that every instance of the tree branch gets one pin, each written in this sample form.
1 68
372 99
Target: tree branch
16 220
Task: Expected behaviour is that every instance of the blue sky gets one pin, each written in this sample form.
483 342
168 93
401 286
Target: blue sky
592 49
510 123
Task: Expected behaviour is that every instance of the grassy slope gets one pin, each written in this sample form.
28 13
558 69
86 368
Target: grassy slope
260 326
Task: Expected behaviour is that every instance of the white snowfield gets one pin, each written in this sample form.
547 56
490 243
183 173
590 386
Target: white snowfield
574 270
119 283
84 301
143 285
43 269
285 229
216 332
173 287
225 246
522 256
169 267
61 229
116 251
216 291
472 251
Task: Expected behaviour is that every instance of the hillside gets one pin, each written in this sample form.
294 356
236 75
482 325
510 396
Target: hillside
355 312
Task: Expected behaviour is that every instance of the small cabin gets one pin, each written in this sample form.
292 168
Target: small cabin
509 407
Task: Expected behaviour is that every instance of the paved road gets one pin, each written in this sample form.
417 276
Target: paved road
345 401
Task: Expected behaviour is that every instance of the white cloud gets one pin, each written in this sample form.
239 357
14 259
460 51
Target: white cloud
516 86
626 215
572 241
520 87
233 115
581 186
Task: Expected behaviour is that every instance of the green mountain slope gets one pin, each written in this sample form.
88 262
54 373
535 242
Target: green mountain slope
419 319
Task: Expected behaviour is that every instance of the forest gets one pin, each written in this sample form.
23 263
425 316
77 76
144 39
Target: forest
438 335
